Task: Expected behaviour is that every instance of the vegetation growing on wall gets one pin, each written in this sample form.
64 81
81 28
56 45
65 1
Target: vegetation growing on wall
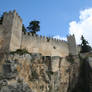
48 39
20 51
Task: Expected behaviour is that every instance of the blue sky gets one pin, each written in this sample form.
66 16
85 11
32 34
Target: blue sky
54 15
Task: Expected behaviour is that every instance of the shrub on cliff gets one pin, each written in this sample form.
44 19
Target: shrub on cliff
85 47
23 29
1 19
20 51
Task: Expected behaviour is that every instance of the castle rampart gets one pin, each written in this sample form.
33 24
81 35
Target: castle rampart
1 38
46 46
12 38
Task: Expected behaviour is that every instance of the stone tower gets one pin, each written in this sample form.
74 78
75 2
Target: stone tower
12 24
72 45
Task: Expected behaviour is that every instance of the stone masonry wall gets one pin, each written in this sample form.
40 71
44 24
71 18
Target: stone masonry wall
45 46
16 33
1 37
4 39
72 45
12 38
11 31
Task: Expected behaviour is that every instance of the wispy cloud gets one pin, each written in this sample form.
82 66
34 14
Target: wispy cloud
81 27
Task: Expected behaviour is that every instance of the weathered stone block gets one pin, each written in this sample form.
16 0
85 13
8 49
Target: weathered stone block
55 61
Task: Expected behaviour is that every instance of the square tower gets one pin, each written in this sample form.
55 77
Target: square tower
12 24
72 45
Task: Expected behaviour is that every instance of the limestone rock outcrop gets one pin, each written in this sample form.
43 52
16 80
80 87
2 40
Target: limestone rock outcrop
37 73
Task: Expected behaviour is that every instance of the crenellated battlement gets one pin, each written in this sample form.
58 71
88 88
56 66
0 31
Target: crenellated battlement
16 14
42 38
13 13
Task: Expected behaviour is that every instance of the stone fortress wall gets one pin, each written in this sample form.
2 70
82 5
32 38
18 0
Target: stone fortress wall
13 25
46 46
10 31
73 48
13 39
1 37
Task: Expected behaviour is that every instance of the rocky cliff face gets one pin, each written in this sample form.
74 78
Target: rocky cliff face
84 82
37 73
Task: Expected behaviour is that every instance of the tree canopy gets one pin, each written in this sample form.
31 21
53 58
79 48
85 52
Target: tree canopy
1 19
85 47
23 29
34 26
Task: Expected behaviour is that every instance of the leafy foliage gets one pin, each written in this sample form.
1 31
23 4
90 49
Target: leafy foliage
1 19
34 26
85 45
23 29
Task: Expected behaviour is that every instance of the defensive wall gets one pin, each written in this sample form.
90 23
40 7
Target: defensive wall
1 37
46 46
13 25
10 31
12 38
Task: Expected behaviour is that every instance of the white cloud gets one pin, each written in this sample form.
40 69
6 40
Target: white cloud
60 38
83 26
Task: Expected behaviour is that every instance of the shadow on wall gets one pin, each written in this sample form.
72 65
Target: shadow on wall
85 77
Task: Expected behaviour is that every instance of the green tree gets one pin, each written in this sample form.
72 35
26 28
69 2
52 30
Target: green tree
85 47
1 19
34 26
23 29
